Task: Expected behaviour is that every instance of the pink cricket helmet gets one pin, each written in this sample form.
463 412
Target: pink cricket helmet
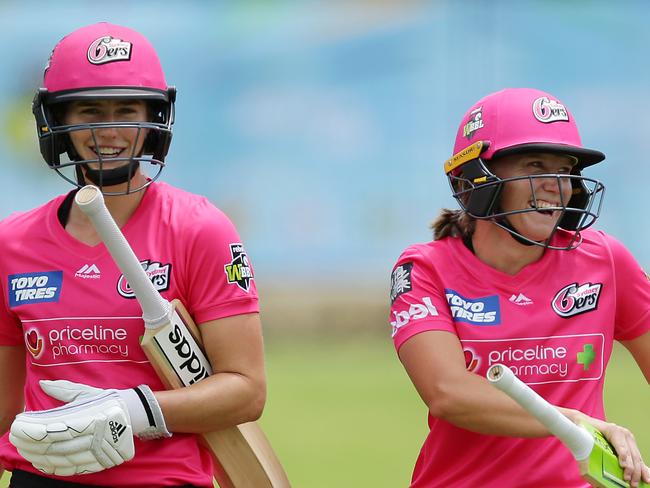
98 62
107 59
523 120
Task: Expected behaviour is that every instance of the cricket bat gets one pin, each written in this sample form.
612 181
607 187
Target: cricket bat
172 342
595 455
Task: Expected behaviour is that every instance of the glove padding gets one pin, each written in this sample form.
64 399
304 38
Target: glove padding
84 436
93 432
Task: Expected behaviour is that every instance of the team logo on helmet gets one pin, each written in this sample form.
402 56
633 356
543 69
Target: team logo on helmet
547 110
108 49
474 123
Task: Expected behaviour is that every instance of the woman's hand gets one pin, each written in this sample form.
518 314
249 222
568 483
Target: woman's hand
624 443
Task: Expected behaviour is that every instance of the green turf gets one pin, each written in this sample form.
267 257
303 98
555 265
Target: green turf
346 410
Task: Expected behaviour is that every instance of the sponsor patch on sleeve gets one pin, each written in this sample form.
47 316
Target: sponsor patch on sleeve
400 281
239 271
423 309
26 288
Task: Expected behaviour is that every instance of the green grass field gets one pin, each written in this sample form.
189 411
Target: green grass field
343 413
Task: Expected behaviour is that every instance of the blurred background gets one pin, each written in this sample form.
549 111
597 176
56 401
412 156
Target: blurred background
321 127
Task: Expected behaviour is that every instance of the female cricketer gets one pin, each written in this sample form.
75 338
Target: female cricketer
69 322
516 277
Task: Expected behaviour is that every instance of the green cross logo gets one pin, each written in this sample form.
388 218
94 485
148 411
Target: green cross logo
587 356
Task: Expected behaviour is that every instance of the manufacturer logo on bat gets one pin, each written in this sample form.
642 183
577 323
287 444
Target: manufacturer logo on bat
183 353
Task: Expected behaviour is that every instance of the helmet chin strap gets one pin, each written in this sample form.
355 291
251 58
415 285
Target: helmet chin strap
505 223
108 177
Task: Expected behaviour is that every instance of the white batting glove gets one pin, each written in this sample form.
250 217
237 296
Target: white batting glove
93 432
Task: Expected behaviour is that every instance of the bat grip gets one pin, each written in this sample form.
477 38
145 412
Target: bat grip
575 438
155 309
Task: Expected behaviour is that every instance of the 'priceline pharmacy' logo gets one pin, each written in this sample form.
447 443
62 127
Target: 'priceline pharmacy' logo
538 360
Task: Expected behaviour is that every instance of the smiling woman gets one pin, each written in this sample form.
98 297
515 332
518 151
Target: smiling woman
516 277
108 147
534 196
70 330
91 111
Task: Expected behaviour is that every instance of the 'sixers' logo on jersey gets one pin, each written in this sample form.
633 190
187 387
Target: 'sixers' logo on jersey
239 270
575 299
34 343
158 273
43 286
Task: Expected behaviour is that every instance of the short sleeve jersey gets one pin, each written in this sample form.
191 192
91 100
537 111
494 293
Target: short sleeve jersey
553 324
77 317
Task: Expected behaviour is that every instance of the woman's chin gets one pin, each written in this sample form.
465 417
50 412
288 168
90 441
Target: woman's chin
535 231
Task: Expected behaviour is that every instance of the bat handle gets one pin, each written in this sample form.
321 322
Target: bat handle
576 438
155 309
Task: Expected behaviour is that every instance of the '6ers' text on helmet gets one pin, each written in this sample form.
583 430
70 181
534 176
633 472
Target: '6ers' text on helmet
99 62
517 121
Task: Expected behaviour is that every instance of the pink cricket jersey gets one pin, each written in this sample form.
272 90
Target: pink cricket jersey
553 324
78 319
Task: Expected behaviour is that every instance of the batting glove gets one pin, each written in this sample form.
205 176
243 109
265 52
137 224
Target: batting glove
92 432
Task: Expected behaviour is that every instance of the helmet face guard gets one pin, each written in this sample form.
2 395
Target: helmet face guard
54 140
478 191
104 62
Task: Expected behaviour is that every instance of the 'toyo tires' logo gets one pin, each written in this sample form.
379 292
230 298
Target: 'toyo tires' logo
575 299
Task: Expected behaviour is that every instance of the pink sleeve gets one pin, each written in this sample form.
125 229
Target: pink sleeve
632 293
418 301
11 332
219 276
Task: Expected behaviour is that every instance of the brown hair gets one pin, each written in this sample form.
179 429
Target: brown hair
452 223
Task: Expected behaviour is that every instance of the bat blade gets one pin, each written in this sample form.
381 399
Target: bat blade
242 454
595 456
